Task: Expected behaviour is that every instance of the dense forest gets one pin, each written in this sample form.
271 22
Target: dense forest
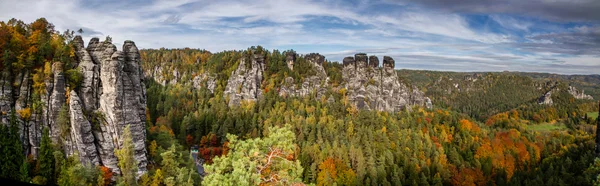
483 129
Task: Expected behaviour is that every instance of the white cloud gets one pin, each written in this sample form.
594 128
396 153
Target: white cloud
416 36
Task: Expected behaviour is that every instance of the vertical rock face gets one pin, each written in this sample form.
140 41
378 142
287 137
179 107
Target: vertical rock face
290 58
123 102
312 84
81 132
245 82
57 98
91 73
371 87
6 97
368 86
111 96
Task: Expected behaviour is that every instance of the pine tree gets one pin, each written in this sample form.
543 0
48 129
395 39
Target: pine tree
46 157
4 149
126 158
24 171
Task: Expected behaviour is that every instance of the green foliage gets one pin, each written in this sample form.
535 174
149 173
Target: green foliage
64 122
74 173
11 150
257 161
74 78
46 159
127 162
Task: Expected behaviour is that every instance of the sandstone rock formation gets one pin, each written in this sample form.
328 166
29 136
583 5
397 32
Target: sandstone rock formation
377 88
312 84
546 99
579 95
245 82
368 86
111 95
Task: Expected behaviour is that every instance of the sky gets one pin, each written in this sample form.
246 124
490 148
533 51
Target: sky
555 36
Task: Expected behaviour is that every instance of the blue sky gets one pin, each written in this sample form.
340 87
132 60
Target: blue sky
557 36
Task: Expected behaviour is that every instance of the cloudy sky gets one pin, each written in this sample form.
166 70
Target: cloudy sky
557 36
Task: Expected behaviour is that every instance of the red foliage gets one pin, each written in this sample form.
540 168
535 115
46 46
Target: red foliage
467 176
189 140
107 175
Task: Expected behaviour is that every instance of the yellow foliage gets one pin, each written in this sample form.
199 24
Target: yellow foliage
25 113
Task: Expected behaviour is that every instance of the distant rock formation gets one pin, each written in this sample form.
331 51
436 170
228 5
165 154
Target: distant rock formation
245 82
313 84
377 88
546 99
579 95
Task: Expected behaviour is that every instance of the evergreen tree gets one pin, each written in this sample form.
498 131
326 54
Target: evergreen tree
46 158
127 161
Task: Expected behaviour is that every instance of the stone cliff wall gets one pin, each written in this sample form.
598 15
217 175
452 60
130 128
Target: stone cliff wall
368 85
372 87
111 95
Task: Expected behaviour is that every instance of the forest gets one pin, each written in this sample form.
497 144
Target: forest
490 132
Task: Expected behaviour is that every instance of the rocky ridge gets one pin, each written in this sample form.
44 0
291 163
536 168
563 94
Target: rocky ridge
312 84
372 87
546 99
368 85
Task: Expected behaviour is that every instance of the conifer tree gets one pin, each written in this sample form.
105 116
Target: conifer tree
127 161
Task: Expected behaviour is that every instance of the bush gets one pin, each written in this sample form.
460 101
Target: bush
74 78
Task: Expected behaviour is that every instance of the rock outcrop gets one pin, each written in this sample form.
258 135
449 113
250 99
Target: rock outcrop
88 119
579 94
368 85
244 84
204 80
378 88
546 99
312 84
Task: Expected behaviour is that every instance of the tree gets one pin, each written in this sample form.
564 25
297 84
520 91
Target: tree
257 161
11 149
77 174
127 161
157 180
46 158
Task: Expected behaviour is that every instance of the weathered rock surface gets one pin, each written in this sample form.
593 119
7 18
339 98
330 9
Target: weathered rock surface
546 99
204 80
91 74
81 132
372 87
244 84
312 84
122 103
579 94
112 95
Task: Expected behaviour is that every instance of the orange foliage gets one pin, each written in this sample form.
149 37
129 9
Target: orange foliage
335 171
469 126
107 175
467 176
503 148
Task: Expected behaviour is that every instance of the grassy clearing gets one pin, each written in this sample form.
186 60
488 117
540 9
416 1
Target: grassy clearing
547 126
593 115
